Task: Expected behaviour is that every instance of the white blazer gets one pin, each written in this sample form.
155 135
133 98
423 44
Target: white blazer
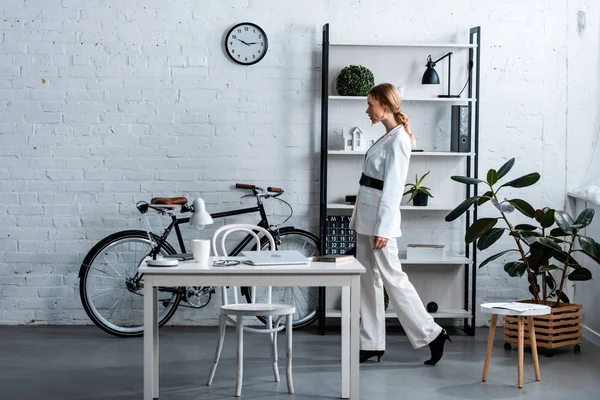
377 212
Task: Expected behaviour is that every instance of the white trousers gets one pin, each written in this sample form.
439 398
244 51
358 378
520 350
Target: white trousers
384 269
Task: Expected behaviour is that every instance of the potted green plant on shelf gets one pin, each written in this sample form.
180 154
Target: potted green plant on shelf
418 193
543 253
354 80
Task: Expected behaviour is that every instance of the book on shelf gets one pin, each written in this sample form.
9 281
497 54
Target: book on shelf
333 258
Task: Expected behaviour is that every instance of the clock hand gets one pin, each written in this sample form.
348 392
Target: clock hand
243 42
250 43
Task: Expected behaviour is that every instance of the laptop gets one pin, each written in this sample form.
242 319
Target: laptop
279 257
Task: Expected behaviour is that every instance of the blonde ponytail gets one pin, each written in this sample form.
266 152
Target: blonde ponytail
388 96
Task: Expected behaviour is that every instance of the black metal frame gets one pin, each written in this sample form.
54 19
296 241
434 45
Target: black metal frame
473 108
175 222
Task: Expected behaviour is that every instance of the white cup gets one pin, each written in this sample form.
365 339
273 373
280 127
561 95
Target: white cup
201 251
401 91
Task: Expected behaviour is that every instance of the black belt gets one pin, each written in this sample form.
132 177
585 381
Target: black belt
371 182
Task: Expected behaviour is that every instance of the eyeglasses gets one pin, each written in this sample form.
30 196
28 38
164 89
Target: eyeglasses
225 263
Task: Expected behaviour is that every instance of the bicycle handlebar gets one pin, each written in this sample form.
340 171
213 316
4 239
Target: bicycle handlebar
244 186
271 189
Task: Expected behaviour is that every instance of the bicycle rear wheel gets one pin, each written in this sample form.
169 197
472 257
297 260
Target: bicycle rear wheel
110 295
304 298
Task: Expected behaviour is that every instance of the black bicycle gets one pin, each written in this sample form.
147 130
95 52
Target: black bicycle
111 288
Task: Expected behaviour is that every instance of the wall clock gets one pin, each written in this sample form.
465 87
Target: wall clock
246 43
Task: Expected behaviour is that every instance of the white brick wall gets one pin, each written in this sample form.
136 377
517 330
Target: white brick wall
105 103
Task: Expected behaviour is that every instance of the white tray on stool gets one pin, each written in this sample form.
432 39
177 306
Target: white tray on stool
491 308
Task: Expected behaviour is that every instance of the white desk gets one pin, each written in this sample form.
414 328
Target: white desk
346 275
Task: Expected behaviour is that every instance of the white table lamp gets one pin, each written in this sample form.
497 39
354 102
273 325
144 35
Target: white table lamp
200 217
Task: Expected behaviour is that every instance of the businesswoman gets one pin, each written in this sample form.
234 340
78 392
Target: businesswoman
376 221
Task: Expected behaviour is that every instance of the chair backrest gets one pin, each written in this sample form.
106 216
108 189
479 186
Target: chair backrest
218 249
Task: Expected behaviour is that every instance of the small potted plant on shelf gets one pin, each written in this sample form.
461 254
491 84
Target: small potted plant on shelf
354 80
544 254
418 194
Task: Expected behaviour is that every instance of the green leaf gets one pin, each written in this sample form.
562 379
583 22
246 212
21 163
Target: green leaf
423 177
486 197
426 192
461 208
505 208
492 177
478 228
558 232
564 298
545 217
549 268
562 256
550 281
523 206
549 243
505 168
466 180
515 268
489 238
585 217
525 227
524 181
581 274
590 247
495 256
564 221
539 256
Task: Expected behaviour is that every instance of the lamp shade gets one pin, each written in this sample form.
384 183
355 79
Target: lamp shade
430 76
200 217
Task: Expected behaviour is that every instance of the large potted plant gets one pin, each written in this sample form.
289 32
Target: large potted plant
544 254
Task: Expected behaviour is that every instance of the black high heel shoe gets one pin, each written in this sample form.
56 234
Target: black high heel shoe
366 354
437 347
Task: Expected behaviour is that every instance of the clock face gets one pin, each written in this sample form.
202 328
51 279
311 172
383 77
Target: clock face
246 43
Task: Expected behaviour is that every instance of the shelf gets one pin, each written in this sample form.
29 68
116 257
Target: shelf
442 261
342 206
389 313
425 99
412 154
425 45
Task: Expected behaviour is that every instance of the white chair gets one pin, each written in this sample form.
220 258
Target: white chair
239 310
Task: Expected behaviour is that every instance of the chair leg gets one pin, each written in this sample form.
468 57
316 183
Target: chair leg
532 341
222 330
273 349
288 358
490 345
240 355
521 335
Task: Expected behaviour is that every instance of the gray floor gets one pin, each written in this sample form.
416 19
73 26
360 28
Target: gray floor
68 363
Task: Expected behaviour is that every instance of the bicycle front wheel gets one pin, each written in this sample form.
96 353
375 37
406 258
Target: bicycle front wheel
110 293
304 298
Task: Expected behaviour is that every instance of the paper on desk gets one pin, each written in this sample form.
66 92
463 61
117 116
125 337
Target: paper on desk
519 307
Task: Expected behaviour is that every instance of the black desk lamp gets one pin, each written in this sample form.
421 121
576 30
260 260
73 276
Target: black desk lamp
430 77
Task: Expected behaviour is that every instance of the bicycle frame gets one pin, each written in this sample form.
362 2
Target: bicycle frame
175 222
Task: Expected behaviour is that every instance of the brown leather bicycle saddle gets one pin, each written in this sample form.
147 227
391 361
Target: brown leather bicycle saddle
177 201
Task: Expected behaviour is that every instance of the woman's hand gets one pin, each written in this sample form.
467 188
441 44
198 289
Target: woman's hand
379 243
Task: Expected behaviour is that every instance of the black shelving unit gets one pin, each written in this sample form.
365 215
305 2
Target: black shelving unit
472 164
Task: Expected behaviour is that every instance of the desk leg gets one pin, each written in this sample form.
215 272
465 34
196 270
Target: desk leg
346 347
150 340
354 338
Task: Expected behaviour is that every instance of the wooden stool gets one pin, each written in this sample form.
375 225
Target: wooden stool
492 308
